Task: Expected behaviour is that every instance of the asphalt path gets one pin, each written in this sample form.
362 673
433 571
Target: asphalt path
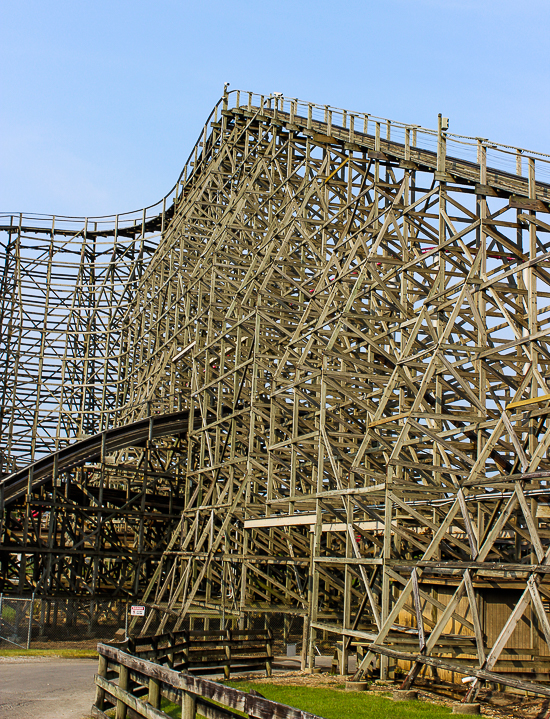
55 688
46 688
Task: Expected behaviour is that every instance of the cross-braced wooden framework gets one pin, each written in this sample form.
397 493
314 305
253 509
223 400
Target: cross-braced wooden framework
352 317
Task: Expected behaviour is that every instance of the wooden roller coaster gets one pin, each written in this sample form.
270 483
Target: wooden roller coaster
312 380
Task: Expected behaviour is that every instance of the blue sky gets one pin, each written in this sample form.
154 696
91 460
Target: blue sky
102 101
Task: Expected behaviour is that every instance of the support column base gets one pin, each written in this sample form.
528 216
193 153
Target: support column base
460 708
404 695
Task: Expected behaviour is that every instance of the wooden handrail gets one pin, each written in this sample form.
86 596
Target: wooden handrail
139 678
202 651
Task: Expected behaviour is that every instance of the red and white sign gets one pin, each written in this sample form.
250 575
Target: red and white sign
137 611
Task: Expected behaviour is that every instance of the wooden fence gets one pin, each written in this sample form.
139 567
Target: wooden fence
142 684
209 651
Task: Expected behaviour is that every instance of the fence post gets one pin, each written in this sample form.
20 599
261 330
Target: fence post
269 652
227 665
188 705
99 692
123 684
154 693
42 618
29 633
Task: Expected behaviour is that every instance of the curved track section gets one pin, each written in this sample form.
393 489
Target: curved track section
90 450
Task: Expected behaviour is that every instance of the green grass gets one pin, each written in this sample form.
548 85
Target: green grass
8 613
65 653
333 704
173 710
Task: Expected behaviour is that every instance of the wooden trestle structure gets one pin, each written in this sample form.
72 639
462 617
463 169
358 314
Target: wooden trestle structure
343 322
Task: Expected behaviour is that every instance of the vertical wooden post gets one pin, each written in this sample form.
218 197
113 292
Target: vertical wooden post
185 654
305 632
533 327
269 652
170 654
154 693
155 648
99 692
386 586
346 615
227 665
123 679
188 705
442 125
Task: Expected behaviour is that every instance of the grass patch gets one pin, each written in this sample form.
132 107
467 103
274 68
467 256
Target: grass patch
333 704
173 710
64 653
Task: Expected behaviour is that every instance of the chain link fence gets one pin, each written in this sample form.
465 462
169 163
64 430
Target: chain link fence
71 623
40 623
15 622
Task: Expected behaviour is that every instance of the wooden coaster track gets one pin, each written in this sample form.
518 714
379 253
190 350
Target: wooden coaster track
350 319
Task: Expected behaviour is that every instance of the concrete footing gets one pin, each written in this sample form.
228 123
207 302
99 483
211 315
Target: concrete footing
357 686
404 695
460 708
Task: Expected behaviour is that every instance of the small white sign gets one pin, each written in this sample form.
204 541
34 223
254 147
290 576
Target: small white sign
137 611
